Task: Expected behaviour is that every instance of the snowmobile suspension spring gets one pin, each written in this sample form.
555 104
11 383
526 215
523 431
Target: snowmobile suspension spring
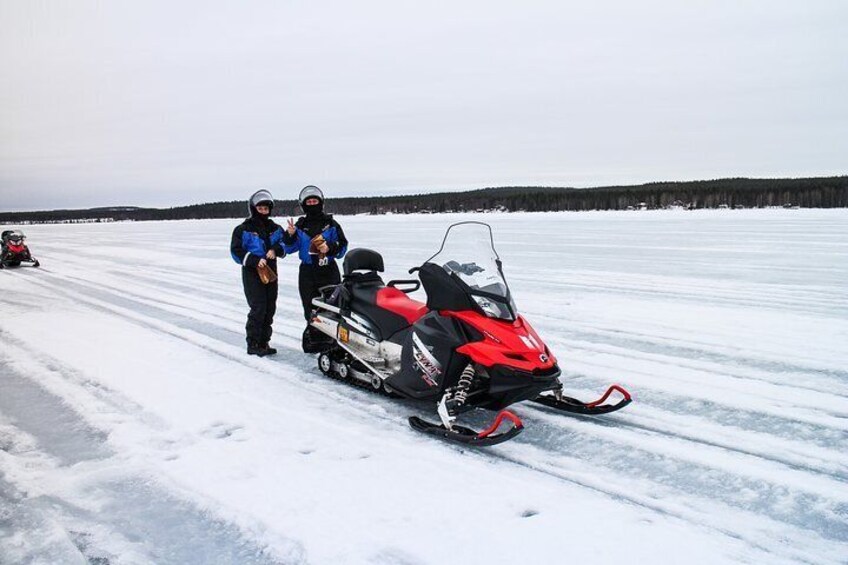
465 380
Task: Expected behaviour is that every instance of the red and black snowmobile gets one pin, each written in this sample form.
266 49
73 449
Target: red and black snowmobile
467 347
13 250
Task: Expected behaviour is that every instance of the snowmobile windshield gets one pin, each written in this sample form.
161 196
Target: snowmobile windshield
468 255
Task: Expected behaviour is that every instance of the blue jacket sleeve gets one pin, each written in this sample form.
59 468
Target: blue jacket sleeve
277 243
291 243
238 251
338 248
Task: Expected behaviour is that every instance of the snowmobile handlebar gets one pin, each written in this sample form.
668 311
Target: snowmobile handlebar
414 270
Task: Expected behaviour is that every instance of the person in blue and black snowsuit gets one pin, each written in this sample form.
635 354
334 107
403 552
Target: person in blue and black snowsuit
319 241
258 241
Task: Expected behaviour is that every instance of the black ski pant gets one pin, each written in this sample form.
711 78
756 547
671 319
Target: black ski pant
313 277
262 299
310 279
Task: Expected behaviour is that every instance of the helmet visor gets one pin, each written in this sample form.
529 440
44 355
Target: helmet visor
262 197
310 192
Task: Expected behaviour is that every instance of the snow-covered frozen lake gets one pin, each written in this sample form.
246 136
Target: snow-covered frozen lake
135 429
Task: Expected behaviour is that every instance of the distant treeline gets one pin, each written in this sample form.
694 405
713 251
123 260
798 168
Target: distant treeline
825 192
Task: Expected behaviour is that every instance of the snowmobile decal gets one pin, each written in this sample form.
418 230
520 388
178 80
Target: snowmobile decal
530 342
427 363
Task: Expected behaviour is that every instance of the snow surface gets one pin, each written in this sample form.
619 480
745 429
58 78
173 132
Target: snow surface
135 429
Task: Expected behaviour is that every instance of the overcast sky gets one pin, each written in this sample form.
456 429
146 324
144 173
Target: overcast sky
165 103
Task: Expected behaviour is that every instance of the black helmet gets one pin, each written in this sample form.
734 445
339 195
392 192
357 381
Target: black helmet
261 196
14 236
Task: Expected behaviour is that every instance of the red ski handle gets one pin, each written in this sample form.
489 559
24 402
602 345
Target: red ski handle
502 415
607 394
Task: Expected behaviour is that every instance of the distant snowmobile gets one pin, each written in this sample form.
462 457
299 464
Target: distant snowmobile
13 250
467 347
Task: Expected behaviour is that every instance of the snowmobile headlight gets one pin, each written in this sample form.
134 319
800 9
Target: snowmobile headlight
491 308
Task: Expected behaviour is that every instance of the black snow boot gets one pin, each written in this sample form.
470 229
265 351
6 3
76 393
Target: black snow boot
254 348
268 349
315 341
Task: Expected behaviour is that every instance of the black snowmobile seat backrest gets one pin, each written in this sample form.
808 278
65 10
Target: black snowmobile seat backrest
361 259
361 267
369 278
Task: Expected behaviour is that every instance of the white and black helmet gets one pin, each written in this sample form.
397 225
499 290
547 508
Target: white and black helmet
261 196
310 191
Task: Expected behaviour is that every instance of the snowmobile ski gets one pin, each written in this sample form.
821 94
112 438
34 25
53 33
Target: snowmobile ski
574 406
467 436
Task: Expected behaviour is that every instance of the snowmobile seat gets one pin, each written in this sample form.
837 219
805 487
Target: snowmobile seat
394 300
389 309
364 301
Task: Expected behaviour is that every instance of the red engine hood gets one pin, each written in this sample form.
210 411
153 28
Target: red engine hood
515 344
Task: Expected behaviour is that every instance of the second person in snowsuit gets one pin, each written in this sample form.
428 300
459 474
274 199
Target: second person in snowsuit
318 240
